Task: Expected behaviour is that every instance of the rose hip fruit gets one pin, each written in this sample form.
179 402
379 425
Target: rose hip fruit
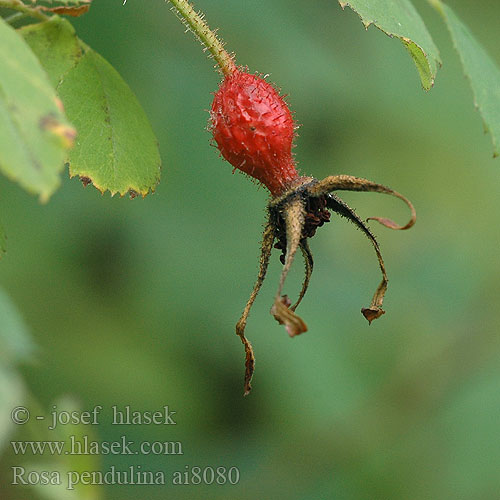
254 130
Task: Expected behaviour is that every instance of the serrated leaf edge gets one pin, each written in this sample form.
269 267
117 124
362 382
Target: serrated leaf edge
404 40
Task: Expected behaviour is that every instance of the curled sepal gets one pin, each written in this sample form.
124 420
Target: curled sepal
375 310
267 245
371 313
285 316
350 183
249 358
293 216
389 222
308 260
340 207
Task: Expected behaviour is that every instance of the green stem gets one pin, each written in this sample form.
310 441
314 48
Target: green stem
14 17
21 7
207 37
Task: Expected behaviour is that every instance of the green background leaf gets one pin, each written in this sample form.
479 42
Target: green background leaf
15 341
479 68
400 19
34 133
3 239
11 393
116 148
15 346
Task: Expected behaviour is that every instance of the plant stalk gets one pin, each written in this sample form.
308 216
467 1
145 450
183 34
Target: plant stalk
19 6
194 21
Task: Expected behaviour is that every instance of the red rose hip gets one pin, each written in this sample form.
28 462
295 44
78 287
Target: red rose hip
254 130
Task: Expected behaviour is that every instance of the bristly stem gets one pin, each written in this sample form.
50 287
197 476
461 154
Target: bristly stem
194 21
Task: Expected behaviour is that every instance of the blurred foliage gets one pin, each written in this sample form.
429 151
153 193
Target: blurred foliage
115 147
34 133
15 346
480 69
3 240
134 302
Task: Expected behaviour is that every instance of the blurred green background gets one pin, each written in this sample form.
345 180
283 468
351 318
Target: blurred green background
134 302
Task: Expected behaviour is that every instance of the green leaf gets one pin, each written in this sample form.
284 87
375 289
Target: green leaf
481 71
34 134
116 148
15 342
11 394
15 346
398 18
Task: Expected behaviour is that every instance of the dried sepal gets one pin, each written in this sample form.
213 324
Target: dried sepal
372 312
309 263
338 206
351 183
266 247
249 364
293 216
284 315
